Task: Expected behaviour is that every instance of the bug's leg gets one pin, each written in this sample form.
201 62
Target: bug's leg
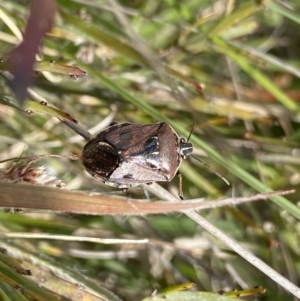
180 192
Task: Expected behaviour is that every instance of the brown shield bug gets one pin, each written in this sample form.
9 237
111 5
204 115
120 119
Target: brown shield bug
126 155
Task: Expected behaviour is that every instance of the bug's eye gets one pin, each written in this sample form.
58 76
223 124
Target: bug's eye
99 157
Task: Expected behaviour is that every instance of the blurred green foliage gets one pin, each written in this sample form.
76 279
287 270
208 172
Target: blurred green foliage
245 55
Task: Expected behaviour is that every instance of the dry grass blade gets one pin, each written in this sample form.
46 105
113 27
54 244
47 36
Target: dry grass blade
22 196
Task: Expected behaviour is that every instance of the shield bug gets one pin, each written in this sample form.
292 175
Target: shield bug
126 155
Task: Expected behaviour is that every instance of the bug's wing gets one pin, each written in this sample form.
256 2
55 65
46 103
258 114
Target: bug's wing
158 152
147 153
128 136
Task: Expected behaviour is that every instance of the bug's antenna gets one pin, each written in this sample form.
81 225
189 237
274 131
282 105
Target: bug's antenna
192 130
212 170
205 164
